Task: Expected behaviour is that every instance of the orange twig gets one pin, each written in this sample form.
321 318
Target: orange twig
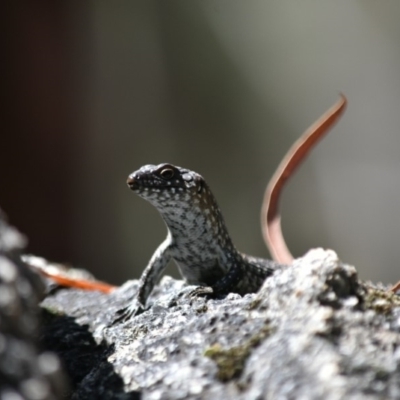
80 283
270 217
64 276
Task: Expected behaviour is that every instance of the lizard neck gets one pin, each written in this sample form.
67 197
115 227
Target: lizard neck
198 220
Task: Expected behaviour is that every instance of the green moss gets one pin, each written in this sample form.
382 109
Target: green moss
140 331
230 362
380 300
50 311
202 309
255 303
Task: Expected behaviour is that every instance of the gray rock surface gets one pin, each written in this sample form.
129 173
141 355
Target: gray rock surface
26 371
312 332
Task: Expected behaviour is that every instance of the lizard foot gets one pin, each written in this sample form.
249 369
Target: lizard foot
201 291
189 293
126 313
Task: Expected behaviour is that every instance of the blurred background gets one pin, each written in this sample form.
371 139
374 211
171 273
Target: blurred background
93 90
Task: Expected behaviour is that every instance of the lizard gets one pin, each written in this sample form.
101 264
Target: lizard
197 240
233 271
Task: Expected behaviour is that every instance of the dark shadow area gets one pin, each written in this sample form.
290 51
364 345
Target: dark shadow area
74 344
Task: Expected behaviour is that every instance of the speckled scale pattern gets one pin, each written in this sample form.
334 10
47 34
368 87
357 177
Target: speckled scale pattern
198 240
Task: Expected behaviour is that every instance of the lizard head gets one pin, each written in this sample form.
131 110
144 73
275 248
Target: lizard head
183 199
163 183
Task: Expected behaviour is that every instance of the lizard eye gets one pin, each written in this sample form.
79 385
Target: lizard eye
167 173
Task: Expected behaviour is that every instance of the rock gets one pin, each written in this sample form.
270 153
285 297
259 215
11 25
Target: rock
314 331
26 371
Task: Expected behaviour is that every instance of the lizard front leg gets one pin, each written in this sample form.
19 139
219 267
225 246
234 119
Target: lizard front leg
147 281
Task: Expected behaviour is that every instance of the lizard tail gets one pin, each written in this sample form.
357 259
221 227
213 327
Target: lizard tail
270 216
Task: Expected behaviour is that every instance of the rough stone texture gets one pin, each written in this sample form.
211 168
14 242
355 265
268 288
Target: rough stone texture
26 372
312 332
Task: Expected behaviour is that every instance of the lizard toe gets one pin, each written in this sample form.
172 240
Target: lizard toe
201 291
126 313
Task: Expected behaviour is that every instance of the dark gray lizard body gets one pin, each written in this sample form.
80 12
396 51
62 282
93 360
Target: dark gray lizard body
197 239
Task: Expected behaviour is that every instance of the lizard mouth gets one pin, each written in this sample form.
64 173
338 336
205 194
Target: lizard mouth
141 182
132 183
136 183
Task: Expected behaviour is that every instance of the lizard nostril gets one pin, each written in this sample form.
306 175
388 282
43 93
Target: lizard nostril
131 182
